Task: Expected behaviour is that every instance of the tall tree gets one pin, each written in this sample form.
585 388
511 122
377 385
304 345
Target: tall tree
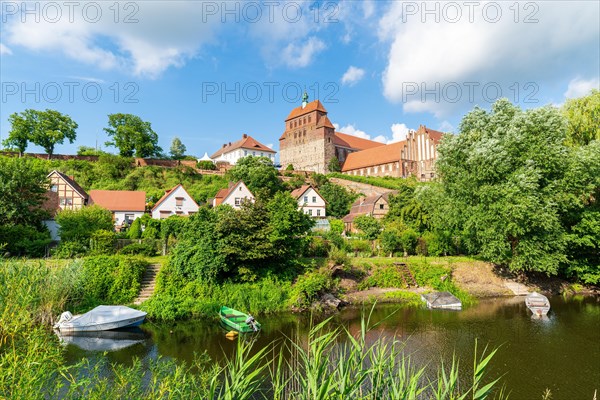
501 175
44 128
22 186
21 131
177 149
583 116
258 173
132 136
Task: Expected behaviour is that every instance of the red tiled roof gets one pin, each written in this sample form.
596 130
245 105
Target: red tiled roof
374 156
297 193
312 106
353 142
224 193
325 122
246 142
168 192
119 200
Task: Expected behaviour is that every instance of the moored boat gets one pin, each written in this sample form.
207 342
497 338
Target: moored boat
238 321
101 318
537 303
442 300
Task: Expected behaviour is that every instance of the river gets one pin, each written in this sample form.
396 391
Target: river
561 352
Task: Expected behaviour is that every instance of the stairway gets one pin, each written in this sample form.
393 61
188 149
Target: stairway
407 276
148 283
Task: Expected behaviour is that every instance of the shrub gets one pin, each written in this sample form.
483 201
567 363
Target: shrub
408 240
146 248
112 279
337 226
22 240
310 286
317 247
206 165
103 242
79 225
360 247
339 257
384 277
70 250
135 230
390 241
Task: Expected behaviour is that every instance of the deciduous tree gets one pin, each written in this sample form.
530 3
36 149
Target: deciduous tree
177 149
583 116
132 136
23 183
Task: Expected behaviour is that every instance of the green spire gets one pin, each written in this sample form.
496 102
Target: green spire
304 99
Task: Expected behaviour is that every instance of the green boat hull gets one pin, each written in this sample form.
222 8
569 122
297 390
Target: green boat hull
236 320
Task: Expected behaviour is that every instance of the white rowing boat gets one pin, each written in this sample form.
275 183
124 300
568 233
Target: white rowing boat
537 303
101 318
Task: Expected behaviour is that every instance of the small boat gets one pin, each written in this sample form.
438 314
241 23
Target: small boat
101 318
537 303
442 300
238 321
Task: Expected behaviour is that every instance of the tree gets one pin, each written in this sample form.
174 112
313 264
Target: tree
338 198
80 225
258 173
177 149
21 131
390 241
132 136
369 226
135 230
334 165
501 180
23 185
89 151
207 165
583 116
44 128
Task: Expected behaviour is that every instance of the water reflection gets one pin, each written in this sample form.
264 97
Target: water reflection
564 347
104 340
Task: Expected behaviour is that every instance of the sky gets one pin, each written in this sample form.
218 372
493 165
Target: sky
209 71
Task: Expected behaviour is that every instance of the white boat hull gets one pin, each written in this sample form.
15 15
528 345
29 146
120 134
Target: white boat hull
538 304
102 318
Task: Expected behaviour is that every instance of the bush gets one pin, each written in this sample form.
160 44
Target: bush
360 247
384 277
147 248
112 279
339 257
317 247
135 230
206 165
22 240
103 242
70 250
310 287
390 241
337 226
79 225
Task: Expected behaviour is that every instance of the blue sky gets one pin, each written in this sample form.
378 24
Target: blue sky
209 71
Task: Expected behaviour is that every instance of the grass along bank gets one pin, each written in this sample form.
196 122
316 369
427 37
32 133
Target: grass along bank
32 363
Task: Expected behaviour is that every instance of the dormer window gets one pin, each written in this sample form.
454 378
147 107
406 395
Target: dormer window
179 201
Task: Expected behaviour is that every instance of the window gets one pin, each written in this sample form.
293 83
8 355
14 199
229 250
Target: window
245 152
381 206
237 201
253 153
179 201
179 212
66 201
165 214
309 119
306 199
310 212
314 199
54 188
240 188
318 213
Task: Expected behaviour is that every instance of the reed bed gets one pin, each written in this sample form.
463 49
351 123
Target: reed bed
331 363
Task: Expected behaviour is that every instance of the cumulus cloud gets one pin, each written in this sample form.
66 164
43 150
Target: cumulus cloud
399 132
162 37
353 75
445 127
301 55
581 87
4 50
428 61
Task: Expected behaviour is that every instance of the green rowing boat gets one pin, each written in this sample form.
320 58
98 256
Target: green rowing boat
239 321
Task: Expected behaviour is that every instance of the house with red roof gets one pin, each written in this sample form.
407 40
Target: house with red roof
176 201
125 205
246 146
310 201
234 195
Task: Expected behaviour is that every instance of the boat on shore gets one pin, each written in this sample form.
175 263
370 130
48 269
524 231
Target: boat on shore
101 318
537 303
238 321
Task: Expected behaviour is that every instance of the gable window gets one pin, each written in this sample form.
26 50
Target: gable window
179 201
66 201
306 199
54 188
237 201
314 199
240 188
381 206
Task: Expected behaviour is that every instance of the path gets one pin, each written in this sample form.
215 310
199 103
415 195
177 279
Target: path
148 283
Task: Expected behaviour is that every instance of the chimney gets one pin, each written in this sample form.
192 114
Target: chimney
229 144
244 136
224 145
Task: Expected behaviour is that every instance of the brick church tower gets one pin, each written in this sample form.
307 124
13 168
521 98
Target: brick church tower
308 142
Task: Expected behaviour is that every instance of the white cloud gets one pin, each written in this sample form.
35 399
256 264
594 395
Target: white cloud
566 37
399 132
161 38
445 127
4 50
87 79
353 75
368 8
581 87
299 56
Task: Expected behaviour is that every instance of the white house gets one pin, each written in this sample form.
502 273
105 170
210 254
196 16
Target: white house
234 195
246 146
310 201
176 201
126 205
